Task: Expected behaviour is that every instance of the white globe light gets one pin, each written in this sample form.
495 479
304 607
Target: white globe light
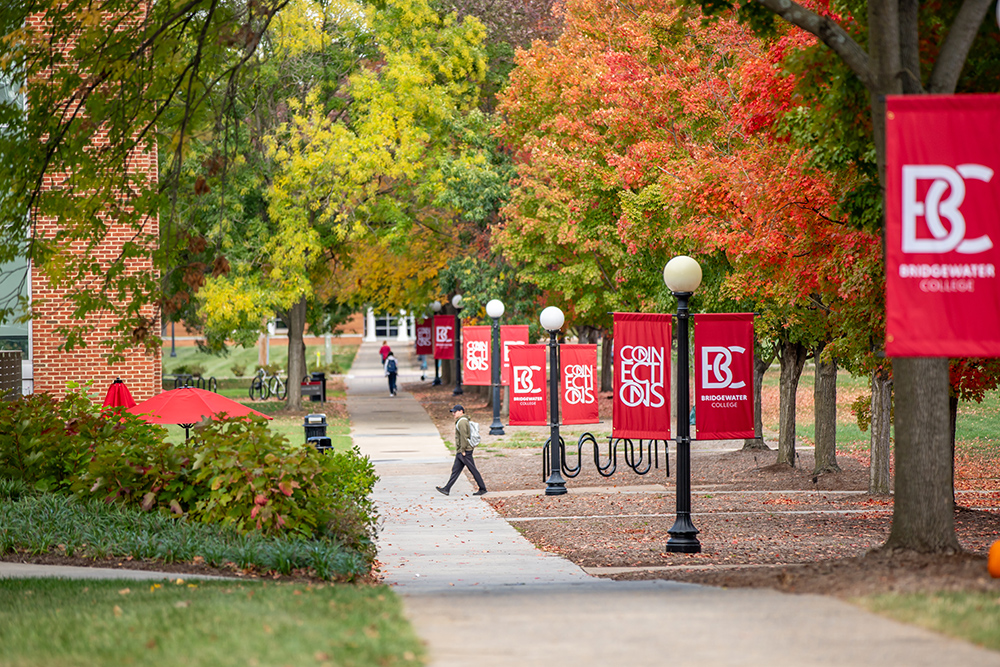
682 274
436 306
456 301
494 308
551 319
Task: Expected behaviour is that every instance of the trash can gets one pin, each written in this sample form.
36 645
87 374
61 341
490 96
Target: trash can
315 426
321 444
321 378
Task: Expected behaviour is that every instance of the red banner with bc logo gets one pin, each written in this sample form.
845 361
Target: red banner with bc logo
641 408
510 334
942 231
528 404
444 336
723 376
578 404
425 337
476 355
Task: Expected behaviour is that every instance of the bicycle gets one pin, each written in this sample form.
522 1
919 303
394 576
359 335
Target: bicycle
259 386
277 386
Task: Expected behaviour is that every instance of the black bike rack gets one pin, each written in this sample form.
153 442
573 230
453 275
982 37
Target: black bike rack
641 456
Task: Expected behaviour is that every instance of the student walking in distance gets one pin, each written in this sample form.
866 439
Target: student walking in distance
391 368
384 351
463 454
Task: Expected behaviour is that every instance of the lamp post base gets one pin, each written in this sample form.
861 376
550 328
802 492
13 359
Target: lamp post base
457 391
683 537
496 429
436 383
555 488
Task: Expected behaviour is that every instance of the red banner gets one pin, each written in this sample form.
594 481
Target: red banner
578 400
942 231
511 334
723 376
444 336
528 404
425 337
476 355
641 408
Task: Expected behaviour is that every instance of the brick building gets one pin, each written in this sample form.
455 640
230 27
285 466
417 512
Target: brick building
44 367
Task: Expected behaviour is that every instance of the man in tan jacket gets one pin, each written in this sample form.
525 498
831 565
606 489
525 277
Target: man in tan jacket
463 454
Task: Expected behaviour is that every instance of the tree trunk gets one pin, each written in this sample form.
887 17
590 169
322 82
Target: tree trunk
825 407
760 365
952 424
923 517
793 358
607 362
879 480
296 354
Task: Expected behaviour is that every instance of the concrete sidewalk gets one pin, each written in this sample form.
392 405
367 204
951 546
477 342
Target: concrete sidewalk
478 593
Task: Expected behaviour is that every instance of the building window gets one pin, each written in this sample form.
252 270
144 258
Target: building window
14 274
386 326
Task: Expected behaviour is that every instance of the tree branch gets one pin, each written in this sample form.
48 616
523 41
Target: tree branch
955 49
830 33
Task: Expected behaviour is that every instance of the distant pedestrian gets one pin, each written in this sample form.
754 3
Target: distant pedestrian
391 368
463 454
423 366
384 351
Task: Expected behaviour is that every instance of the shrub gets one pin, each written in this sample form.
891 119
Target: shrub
249 478
238 369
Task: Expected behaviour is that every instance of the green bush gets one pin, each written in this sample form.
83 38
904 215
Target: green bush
238 369
231 472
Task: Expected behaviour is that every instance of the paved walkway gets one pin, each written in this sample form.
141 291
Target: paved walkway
480 594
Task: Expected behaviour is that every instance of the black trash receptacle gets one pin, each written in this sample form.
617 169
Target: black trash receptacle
321 378
315 426
322 444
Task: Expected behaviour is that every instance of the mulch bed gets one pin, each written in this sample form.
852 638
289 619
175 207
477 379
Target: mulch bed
761 525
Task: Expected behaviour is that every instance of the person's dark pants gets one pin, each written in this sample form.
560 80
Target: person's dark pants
464 460
392 383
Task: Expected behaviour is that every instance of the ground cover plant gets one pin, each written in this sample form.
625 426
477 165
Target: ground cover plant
201 623
232 475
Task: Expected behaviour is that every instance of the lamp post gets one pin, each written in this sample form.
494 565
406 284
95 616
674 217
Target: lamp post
683 276
495 310
552 320
436 307
456 301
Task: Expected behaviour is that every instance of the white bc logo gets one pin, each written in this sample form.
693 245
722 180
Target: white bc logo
642 372
579 384
934 207
477 355
423 336
717 360
523 383
443 335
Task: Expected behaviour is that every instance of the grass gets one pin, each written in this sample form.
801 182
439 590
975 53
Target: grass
57 524
338 428
46 622
974 616
247 357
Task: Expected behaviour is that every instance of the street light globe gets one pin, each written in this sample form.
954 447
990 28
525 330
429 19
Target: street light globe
682 274
551 319
456 301
436 306
494 308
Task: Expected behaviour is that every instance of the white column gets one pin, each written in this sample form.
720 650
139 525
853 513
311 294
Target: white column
370 326
402 328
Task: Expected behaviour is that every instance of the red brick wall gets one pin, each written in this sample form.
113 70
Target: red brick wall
52 368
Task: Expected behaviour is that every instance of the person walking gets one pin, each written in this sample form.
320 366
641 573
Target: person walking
463 454
391 368
384 351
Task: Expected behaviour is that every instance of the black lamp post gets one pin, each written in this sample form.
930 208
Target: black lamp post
436 307
683 276
495 310
173 350
552 320
456 301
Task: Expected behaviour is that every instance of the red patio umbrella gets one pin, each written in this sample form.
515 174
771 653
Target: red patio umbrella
118 395
187 406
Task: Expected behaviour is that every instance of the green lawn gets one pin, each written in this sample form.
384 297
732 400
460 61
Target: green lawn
53 622
245 359
974 617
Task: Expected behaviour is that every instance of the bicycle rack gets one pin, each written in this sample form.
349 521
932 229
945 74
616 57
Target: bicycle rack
640 458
